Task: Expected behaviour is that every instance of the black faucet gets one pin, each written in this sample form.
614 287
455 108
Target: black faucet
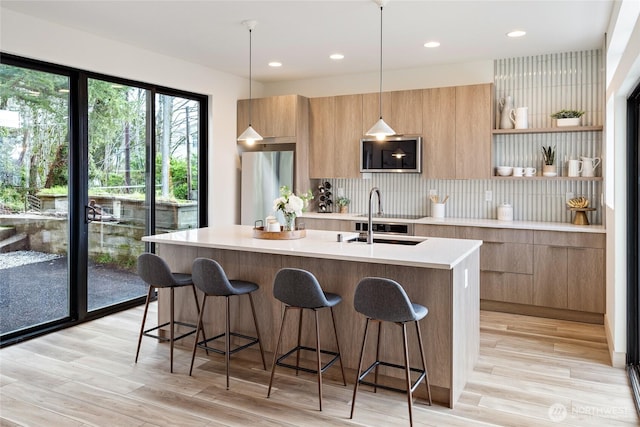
370 228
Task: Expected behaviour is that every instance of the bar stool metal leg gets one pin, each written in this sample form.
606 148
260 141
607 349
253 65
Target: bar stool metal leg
275 351
375 387
319 359
171 335
407 372
424 363
144 319
299 341
255 322
335 330
355 387
199 328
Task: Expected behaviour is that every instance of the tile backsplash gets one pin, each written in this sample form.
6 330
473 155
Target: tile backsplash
532 200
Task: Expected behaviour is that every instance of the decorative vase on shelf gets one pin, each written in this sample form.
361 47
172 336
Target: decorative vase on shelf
549 170
506 106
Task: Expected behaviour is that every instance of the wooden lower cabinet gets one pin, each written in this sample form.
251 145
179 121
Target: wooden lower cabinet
506 287
550 276
585 279
570 273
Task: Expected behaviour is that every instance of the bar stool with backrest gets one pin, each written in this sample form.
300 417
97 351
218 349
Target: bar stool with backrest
384 300
300 290
157 274
211 279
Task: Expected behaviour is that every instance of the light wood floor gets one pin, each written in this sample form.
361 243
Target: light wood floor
531 372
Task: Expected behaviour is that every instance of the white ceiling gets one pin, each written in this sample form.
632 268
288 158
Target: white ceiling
302 34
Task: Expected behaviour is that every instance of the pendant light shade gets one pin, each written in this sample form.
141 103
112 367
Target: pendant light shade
249 136
380 130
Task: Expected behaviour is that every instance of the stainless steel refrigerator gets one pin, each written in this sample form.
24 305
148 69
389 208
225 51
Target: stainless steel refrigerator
263 173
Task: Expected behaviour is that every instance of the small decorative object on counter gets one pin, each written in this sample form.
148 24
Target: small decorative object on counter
505 212
437 206
567 117
506 105
549 159
580 205
291 206
324 197
343 204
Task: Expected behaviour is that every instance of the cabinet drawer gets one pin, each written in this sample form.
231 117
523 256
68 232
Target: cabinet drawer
495 234
506 287
429 230
579 240
506 257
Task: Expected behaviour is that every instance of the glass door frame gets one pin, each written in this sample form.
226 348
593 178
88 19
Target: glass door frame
78 186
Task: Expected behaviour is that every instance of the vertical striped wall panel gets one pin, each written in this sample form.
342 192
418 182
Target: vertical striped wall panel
544 84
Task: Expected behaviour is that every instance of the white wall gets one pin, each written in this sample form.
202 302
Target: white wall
465 73
37 39
623 74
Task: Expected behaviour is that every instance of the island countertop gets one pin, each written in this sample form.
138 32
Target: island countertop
432 252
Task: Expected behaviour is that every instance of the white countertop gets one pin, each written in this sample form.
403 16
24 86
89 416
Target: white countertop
469 222
431 253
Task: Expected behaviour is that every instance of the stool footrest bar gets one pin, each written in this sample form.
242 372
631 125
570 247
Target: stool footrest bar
252 341
147 333
330 363
391 365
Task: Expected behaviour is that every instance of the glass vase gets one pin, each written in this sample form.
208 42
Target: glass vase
290 223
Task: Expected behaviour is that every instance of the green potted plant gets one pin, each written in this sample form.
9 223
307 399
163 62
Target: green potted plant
567 117
343 203
549 159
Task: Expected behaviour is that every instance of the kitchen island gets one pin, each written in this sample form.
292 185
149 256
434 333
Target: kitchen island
441 274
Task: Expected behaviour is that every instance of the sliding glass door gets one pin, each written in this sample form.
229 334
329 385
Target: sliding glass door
88 166
34 197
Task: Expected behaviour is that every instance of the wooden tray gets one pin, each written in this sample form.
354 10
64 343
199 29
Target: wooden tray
259 233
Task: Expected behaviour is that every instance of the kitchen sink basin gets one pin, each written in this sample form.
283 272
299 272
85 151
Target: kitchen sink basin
387 240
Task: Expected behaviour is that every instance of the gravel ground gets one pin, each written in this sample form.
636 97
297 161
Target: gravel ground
34 288
18 258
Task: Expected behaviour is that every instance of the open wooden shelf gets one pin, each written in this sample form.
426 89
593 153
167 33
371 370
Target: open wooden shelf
548 130
549 178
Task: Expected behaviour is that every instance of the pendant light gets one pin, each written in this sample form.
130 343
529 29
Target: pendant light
250 135
380 130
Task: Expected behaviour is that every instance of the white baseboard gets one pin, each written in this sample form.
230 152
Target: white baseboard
618 358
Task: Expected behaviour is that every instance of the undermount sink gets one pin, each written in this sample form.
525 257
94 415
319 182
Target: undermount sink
387 240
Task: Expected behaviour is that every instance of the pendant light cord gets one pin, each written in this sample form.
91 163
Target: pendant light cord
249 77
380 61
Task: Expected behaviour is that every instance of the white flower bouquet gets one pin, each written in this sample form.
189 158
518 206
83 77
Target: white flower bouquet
291 205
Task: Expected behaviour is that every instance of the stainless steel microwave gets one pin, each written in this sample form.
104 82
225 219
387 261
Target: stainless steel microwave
394 154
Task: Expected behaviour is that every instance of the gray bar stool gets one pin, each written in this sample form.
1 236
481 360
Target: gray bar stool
300 290
211 279
157 274
384 300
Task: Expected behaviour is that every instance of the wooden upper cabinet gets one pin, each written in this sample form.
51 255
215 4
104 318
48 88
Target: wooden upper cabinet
406 112
347 120
439 133
275 116
457 132
321 137
473 131
335 132
402 110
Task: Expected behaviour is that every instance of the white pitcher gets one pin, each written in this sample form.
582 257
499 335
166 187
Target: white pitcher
589 165
519 118
574 167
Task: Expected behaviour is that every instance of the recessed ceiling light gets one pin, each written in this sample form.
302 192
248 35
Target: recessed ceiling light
432 44
516 33
336 56
275 64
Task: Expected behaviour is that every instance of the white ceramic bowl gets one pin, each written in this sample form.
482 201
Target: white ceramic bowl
504 170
